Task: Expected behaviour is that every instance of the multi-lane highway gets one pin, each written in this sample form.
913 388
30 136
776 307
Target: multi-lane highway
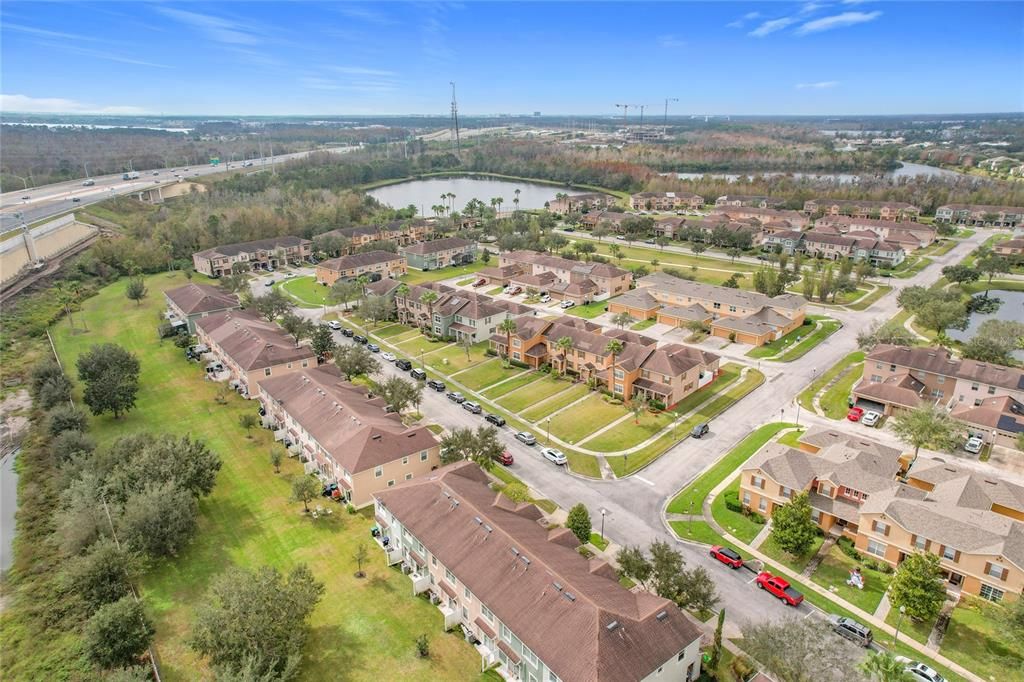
37 203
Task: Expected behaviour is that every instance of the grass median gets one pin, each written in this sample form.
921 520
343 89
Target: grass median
806 396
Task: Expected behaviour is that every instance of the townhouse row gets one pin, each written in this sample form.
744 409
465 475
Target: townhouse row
891 507
980 215
448 312
262 254
829 244
564 279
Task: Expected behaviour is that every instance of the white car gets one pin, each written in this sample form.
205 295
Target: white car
567 304
920 671
390 357
545 299
334 324
554 455
870 418
973 444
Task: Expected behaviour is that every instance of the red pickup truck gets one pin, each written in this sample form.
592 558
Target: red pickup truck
779 587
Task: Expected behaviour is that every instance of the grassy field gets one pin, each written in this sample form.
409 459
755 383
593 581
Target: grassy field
571 395
674 258
779 345
393 332
974 638
589 311
420 276
506 387
585 418
738 524
249 521
909 627
835 401
485 374
305 291
644 324
792 562
911 266
420 343
825 329
833 572
867 301
798 342
454 358
807 395
540 390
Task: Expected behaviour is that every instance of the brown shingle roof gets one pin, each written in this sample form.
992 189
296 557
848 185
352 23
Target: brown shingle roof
437 245
250 247
252 342
940 361
571 614
359 260
201 298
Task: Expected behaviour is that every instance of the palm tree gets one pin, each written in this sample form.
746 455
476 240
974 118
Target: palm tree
613 348
494 205
516 200
402 291
564 344
508 326
451 198
444 201
499 201
429 298
885 667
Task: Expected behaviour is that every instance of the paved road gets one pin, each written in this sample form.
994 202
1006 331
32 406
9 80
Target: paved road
37 203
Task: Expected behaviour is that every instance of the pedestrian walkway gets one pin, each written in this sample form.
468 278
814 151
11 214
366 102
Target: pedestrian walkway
884 607
822 552
941 622
761 536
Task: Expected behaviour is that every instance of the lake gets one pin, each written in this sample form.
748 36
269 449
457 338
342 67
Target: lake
427 192
1012 310
906 170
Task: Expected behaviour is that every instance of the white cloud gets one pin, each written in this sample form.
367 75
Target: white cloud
43 33
837 21
361 71
820 85
363 14
749 16
99 54
670 42
812 7
59 105
215 28
772 26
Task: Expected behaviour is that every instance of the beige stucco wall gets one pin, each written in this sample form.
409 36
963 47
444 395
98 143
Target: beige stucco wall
50 239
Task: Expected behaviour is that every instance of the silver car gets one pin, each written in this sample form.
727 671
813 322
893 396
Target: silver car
526 438
555 456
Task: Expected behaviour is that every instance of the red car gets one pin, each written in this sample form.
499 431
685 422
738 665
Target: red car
505 458
855 414
480 282
727 556
778 587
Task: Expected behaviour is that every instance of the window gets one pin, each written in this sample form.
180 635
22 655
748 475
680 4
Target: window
552 677
266 372
877 548
878 365
876 378
974 386
990 593
516 356
467 594
892 368
391 483
305 363
786 492
423 456
920 543
757 482
825 489
950 553
378 472
937 393
996 571
619 374
405 460
940 379
408 477
977 402
991 390
880 527
746 498
487 613
681 655
530 656
762 504
816 516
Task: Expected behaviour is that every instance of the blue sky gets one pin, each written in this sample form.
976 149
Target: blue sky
223 58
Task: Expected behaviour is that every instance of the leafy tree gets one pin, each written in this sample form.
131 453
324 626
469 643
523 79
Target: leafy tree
508 328
960 274
635 565
377 308
793 529
939 316
986 349
517 492
234 284
345 291
118 633
48 385
733 282
918 586
296 326
884 667
1012 622
101 575
666 570
716 648
305 488
620 320
697 590
322 341
578 522
272 305
142 458
139 673
136 290
354 360
70 444
992 265
81 520
801 650
247 421
66 418
885 332
927 425
360 556
111 376
614 348
275 459
399 393
159 520
257 620
480 446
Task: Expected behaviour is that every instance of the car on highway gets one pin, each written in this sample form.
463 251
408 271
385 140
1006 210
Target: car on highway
88 183
553 455
919 671
373 348
456 397
389 357
472 407
495 419
855 414
506 458
726 556
335 325
870 418
858 633
974 444
417 374
403 364
436 385
526 438
779 587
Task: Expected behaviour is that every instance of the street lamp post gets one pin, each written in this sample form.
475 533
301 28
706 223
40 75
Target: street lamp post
603 512
899 621
782 414
547 423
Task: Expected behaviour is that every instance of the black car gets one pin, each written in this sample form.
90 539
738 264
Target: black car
436 385
495 419
700 430
345 331
403 364
417 374
360 339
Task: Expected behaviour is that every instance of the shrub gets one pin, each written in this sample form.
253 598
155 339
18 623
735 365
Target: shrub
657 405
66 418
491 352
732 501
350 508
847 548
517 363
118 633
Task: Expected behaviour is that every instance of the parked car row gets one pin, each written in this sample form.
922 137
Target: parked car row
865 417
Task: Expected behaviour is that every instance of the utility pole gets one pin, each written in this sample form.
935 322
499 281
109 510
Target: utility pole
667 100
642 107
456 142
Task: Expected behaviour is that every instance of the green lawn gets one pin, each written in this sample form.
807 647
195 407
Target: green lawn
485 374
454 358
738 524
835 401
420 343
833 572
701 488
791 438
538 391
911 266
791 561
420 276
975 639
566 397
249 521
826 328
392 332
596 541
798 342
524 379
305 291
807 395
869 300
589 311
585 418
495 291
909 627
644 324
779 345
674 258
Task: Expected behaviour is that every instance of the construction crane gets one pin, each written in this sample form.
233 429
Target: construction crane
667 100
625 113
642 107
455 124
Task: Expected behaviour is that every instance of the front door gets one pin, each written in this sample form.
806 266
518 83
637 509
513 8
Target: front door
955 579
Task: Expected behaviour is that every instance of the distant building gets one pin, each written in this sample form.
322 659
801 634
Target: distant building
788 220
439 253
855 245
665 201
909 235
262 254
400 232
751 200
456 313
375 264
194 301
883 210
1013 249
562 278
979 214
581 203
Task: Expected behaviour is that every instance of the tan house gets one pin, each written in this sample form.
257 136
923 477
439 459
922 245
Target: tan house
439 253
579 203
194 301
375 264
789 220
856 245
251 348
747 316
909 235
1013 249
980 214
262 254
530 603
882 210
579 281
455 313
974 525
753 200
400 232
642 369
665 201
345 436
